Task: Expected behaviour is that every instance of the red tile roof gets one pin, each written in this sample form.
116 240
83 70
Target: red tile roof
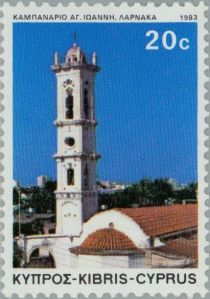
162 220
181 247
106 241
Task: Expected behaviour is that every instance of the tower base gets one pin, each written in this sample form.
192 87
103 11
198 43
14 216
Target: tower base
72 209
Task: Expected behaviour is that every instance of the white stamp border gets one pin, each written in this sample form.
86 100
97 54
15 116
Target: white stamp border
6 144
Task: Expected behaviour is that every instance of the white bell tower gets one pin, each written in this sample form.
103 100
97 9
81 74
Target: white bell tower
76 194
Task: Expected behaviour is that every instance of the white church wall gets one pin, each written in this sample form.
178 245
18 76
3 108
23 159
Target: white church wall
98 261
136 261
121 222
114 261
110 261
89 261
158 261
64 259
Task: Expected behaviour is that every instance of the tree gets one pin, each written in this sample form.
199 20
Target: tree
15 196
143 191
37 227
146 192
17 255
32 228
189 192
25 228
50 186
43 199
161 191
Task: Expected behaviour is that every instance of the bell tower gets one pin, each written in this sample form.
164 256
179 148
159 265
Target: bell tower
76 157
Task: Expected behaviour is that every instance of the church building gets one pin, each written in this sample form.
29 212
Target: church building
159 236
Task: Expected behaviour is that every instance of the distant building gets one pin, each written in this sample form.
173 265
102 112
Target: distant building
41 180
108 187
175 185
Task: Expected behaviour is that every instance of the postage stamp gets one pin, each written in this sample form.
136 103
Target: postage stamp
104 168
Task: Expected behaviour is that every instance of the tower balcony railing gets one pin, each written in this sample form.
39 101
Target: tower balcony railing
87 61
81 155
81 121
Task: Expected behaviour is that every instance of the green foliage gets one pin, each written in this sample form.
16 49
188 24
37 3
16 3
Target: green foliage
33 228
17 255
42 200
15 197
187 193
50 186
147 192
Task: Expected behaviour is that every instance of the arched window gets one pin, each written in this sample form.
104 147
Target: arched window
86 177
70 176
41 258
86 104
69 107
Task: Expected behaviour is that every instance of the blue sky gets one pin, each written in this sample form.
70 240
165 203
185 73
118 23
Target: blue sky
146 100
